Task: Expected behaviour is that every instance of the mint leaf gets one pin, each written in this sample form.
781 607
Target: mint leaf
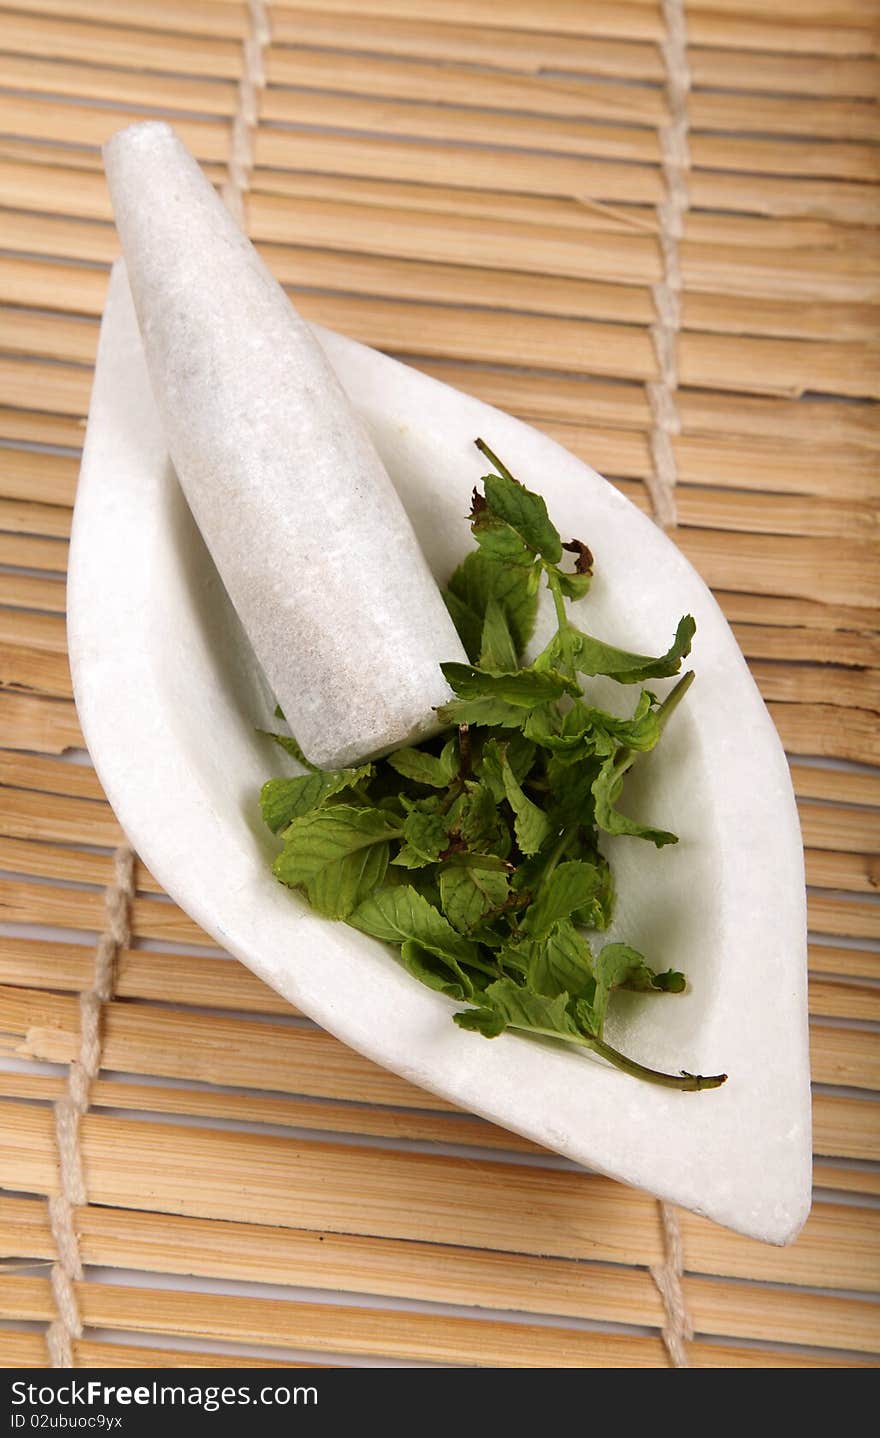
283 800
425 838
399 914
574 586
325 836
571 781
499 540
520 756
640 732
585 731
338 889
468 894
571 886
620 967
427 768
523 511
409 858
480 578
504 1004
441 973
531 824
591 656
497 649
486 712
288 744
561 963
606 790
598 912
475 817
527 688
468 624
561 734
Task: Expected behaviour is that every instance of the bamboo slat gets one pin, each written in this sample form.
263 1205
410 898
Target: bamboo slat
34 671
810 183
842 35
846 1127
825 827
446 260
17 516
65 388
38 631
497 48
355 1265
843 915
22 1349
205 981
861 789
388 1193
29 552
584 180
70 819
53 181
380 1333
473 188
81 909
859 874
48 726
45 478
54 861
24 591
816 729
97 83
33 771
81 290
67 39
845 1000
33 427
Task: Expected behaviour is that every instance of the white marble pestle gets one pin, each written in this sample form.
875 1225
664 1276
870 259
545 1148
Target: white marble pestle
302 521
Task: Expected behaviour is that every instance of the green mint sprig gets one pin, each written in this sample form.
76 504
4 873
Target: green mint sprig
478 853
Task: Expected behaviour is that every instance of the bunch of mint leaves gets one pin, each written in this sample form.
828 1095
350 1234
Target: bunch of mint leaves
477 854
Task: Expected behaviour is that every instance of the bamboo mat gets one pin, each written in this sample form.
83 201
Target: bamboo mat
646 228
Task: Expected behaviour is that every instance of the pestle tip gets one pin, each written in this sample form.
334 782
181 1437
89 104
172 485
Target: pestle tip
142 132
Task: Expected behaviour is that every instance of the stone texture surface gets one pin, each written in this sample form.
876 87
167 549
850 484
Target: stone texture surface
304 526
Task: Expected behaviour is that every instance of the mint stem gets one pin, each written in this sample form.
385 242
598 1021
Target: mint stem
674 698
563 626
493 458
689 1083
556 854
686 1082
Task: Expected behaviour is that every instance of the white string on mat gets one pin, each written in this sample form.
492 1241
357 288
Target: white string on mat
252 80
675 163
678 1330
70 1108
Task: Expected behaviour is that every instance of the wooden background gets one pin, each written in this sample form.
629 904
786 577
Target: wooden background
477 186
